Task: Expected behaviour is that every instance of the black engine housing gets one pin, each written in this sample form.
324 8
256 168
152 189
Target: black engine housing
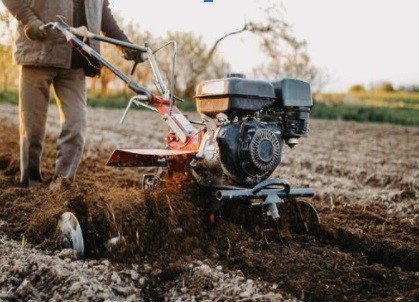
254 119
249 151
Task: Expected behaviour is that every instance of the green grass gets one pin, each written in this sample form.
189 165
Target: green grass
121 101
374 99
347 112
386 107
10 97
394 108
116 101
392 99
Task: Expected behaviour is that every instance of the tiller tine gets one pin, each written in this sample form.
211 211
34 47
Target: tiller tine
277 194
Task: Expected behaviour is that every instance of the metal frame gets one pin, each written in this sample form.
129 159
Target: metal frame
270 191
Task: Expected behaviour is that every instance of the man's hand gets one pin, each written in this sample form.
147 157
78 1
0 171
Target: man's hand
133 55
33 30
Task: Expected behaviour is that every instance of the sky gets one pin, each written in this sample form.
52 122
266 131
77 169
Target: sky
354 41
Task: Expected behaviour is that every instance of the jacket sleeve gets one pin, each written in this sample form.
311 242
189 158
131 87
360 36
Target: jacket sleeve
20 10
109 25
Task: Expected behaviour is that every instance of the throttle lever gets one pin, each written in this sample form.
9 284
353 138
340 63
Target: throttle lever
134 67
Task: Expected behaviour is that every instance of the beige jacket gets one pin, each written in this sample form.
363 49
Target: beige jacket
55 51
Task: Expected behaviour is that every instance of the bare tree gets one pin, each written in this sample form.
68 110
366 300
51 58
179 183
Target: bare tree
107 80
195 62
287 56
8 75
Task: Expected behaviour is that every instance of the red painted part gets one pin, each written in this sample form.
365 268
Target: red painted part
178 152
158 100
192 142
212 217
193 136
149 158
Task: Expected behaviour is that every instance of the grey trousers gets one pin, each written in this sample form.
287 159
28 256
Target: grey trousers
70 94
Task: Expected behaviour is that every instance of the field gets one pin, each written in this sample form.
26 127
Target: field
366 249
401 108
386 107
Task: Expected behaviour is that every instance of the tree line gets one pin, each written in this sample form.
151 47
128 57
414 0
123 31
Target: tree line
384 86
286 55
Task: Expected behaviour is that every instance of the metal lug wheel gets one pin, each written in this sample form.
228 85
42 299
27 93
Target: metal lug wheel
71 235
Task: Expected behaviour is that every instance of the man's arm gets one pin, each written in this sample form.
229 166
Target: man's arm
109 25
111 29
21 11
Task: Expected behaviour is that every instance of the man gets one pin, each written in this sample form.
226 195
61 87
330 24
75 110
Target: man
46 59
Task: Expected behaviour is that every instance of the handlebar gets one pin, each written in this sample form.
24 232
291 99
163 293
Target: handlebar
73 34
82 31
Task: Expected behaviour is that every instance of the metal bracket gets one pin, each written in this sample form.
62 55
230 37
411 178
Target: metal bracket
270 191
150 182
271 201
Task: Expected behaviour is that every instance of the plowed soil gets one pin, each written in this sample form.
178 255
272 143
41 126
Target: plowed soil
366 248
